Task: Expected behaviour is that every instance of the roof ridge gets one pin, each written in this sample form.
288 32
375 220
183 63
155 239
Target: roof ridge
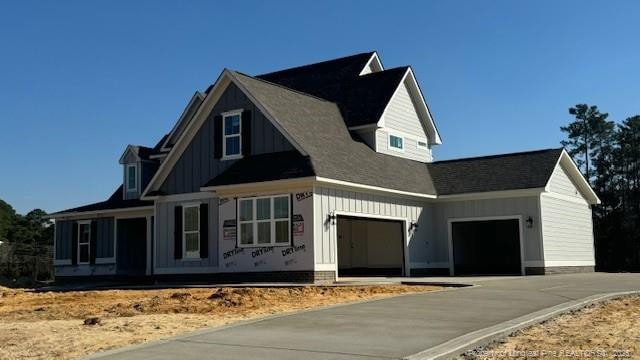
283 87
317 63
496 156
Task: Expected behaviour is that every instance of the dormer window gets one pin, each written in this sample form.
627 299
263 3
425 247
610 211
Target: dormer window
132 181
232 135
396 142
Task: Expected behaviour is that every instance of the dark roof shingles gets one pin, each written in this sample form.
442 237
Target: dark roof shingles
361 99
115 201
265 167
524 170
317 126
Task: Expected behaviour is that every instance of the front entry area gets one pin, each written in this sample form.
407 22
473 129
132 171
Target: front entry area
486 247
370 247
131 246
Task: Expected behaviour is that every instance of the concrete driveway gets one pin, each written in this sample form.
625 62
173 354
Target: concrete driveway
385 329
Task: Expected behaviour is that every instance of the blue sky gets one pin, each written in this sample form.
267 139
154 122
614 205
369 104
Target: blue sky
80 80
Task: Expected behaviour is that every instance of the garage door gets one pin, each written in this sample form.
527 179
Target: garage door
489 247
370 247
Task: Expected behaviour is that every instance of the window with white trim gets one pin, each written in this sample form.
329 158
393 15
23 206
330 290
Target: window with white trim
132 182
232 134
84 242
396 142
422 145
191 231
264 221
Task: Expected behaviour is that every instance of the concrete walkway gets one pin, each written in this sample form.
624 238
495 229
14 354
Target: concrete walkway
391 328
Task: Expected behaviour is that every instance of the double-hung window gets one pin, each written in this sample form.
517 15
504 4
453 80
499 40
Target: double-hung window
191 231
232 134
132 183
396 143
84 242
264 221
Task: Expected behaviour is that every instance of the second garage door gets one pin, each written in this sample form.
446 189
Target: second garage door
489 247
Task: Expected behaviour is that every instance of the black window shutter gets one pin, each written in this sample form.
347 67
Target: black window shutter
93 242
204 231
177 232
246 133
74 243
217 137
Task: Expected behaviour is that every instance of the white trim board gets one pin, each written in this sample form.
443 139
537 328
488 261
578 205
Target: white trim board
572 169
375 61
484 218
98 213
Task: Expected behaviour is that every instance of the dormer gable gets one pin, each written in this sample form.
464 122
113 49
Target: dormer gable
138 168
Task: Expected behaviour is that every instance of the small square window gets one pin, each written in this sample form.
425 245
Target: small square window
422 145
395 142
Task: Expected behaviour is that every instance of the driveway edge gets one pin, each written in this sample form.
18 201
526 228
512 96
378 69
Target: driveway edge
485 336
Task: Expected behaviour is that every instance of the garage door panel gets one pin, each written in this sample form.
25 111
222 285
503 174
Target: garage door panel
486 247
370 246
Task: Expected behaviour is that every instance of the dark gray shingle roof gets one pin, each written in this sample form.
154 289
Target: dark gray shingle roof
361 99
115 201
265 167
317 126
514 171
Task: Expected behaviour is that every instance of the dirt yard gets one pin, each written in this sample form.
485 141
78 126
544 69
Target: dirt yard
52 325
608 330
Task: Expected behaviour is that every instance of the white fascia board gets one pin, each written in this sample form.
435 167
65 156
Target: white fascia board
197 95
347 184
126 150
374 60
577 176
264 186
225 190
492 194
97 213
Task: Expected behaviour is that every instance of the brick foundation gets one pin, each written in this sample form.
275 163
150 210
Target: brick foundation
558 270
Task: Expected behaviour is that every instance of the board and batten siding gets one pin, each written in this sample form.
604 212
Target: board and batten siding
104 241
197 165
422 250
567 224
521 206
164 242
64 232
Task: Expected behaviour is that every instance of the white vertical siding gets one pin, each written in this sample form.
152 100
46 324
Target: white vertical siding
567 224
422 249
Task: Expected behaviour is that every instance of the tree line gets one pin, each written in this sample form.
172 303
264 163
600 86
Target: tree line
608 154
26 244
